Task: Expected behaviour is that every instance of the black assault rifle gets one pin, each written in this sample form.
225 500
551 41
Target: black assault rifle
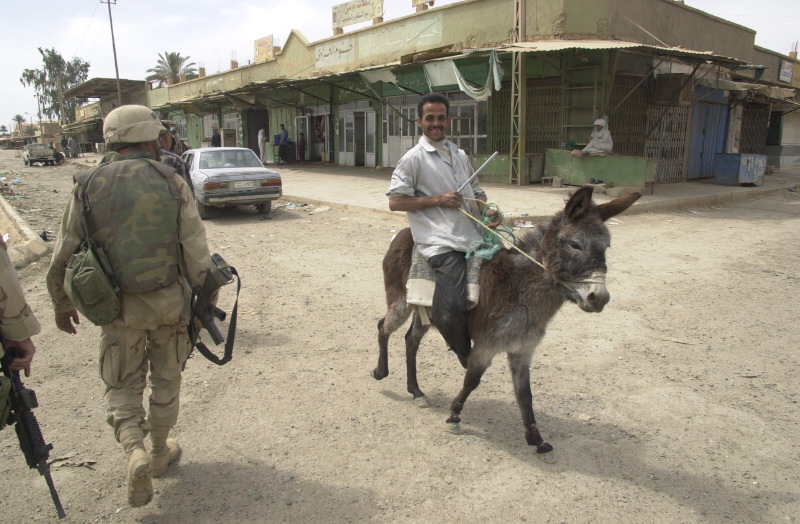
31 441
219 274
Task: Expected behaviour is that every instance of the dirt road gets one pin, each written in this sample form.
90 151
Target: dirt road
677 404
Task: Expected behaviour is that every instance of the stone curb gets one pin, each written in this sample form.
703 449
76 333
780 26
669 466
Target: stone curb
32 247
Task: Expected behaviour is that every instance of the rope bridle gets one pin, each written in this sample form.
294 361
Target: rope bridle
568 284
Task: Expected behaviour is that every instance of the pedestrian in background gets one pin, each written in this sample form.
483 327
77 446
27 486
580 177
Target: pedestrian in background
263 136
171 159
283 145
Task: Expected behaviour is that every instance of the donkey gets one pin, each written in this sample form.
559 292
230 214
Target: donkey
517 298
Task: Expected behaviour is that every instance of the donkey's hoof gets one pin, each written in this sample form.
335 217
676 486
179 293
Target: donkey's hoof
544 447
422 402
377 374
548 457
453 419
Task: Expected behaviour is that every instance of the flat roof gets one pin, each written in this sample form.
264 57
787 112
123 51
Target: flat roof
102 87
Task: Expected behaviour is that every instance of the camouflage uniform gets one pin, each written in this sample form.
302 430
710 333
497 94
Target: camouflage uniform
151 330
17 321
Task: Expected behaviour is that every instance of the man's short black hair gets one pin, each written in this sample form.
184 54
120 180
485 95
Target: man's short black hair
433 98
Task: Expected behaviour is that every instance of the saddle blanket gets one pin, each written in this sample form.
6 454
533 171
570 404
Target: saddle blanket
421 283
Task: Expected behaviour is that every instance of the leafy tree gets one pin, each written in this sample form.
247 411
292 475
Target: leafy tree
3 130
56 76
30 130
170 67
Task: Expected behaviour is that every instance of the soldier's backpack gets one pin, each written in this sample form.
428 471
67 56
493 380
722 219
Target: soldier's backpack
89 280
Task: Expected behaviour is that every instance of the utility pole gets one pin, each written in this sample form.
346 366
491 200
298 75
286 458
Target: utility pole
519 100
114 47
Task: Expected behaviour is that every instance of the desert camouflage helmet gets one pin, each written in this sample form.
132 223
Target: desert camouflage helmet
131 124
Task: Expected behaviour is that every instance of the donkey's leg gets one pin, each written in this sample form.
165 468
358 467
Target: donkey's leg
413 338
479 361
396 316
520 371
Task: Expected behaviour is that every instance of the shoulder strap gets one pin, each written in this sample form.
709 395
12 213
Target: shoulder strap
228 355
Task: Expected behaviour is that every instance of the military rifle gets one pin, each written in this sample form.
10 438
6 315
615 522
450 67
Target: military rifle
31 441
219 274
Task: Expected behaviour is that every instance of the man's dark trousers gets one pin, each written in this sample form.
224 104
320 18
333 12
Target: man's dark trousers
450 301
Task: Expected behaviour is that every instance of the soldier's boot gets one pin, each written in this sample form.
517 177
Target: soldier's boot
140 484
164 452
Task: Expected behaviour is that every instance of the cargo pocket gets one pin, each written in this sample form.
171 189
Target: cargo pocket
183 345
110 363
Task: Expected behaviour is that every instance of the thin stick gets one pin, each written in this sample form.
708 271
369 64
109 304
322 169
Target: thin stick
476 172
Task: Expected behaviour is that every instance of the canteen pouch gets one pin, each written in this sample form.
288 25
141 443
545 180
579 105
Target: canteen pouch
90 288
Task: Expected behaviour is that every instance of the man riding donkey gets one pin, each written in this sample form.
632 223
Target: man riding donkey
425 184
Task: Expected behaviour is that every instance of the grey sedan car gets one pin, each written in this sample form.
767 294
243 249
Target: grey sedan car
231 176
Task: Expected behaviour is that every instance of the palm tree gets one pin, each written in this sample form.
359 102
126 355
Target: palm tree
19 119
170 67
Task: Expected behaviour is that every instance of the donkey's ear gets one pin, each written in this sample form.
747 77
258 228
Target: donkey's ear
579 203
616 206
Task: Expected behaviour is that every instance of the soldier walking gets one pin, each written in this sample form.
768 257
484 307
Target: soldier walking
142 214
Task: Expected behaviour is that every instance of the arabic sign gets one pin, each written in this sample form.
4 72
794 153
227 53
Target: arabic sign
264 49
334 53
787 68
356 11
421 31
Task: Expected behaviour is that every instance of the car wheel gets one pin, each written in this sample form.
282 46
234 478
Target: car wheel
202 210
265 207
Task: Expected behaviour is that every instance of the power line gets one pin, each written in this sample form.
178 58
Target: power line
86 30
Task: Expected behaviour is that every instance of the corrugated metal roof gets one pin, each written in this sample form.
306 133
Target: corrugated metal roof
544 46
100 87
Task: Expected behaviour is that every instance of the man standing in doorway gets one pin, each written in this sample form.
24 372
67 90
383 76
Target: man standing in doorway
283 145
216 139
263 134
425 185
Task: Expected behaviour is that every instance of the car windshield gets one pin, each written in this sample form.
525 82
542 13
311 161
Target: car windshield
226 159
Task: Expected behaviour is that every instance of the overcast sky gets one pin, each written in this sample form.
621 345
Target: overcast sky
212 32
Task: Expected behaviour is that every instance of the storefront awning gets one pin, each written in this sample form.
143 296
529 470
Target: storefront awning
80 126
772 92
545 46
